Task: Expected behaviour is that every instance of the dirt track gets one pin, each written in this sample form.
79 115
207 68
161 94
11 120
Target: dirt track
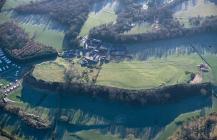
197 79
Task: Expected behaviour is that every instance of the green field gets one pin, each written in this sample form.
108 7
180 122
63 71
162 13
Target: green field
104 16
54 71
212 60
49 71
9 4
5 17
139 29
149 74
184 118
134 74
208 9
94 135
44 35
41 32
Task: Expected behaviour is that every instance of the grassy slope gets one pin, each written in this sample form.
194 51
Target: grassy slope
172 127
150 74
104 16
4 17
44 35
94 135
51 72
208 9
212 60
139 29
14 3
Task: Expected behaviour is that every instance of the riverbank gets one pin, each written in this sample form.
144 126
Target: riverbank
31 120
6 136
203 127
160 95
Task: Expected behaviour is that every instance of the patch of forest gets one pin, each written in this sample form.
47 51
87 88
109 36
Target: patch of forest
207 25
161 15
15 42
131 13
203 128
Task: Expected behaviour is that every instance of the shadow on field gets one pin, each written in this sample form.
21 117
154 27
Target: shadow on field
112 114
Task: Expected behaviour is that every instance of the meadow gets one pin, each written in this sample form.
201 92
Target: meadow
135 74
44 35
153 73
104 16
41 32
140 28
51 72
5 17
212 59
185 12
10 4
191 10
54 71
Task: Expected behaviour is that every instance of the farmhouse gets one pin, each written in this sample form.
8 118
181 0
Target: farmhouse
203 67
93 52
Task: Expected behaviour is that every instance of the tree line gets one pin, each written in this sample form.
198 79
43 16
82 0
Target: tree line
169 27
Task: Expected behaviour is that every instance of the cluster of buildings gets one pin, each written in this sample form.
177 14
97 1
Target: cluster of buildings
94 53
91 54
203 67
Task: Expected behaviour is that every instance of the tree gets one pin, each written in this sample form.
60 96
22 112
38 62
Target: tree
72 74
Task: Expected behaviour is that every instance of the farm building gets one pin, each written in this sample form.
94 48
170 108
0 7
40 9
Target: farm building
203 67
